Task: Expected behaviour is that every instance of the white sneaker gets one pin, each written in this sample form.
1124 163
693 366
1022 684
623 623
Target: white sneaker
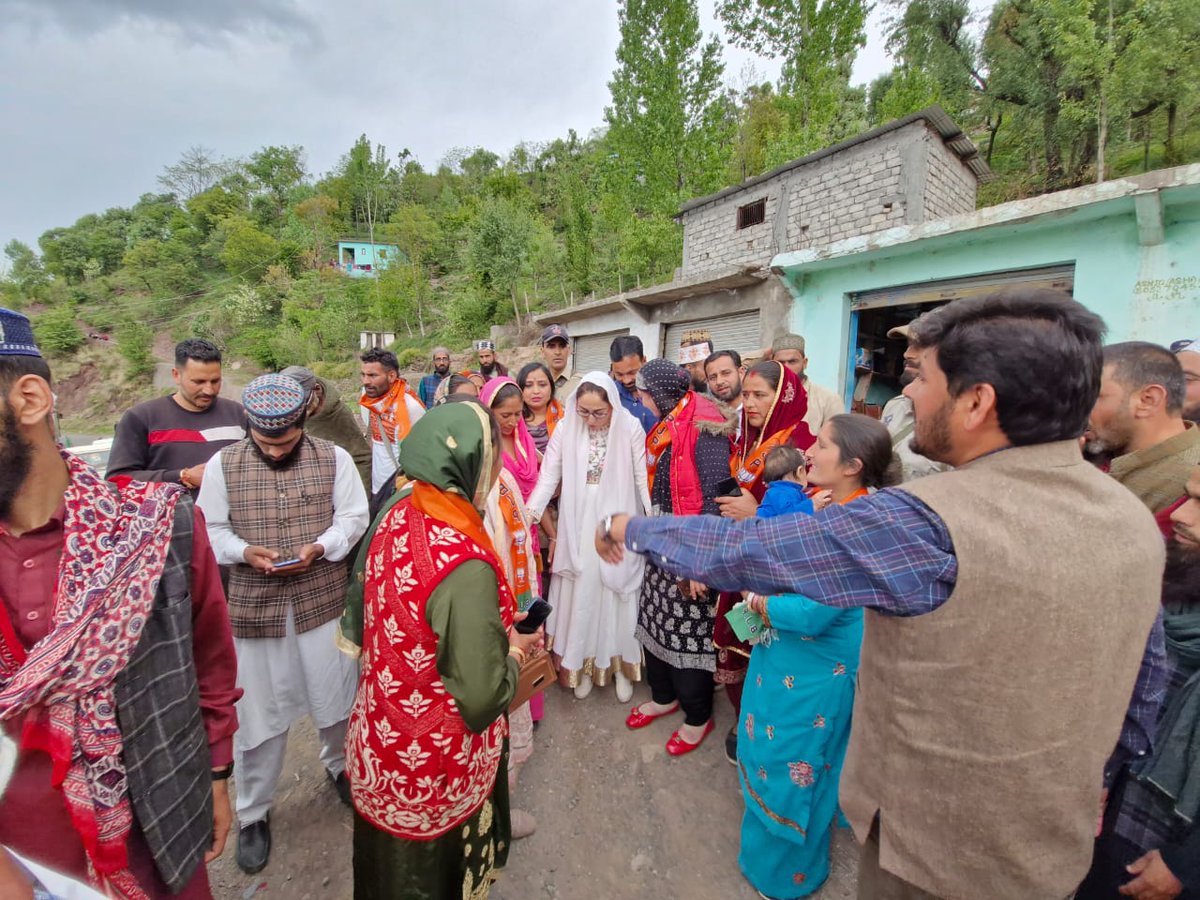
624 687
584 687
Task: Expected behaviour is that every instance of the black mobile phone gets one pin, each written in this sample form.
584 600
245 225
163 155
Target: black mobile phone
286 563
538 611
729 488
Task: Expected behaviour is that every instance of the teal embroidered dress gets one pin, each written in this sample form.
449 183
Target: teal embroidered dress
795 725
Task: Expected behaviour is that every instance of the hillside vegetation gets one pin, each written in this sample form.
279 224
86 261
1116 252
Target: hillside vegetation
1056 93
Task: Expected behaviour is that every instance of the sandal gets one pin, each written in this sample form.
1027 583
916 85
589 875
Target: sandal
639 719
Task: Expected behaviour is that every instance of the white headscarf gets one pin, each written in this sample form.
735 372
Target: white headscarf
622 485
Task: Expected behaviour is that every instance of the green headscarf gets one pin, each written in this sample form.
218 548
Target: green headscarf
449 447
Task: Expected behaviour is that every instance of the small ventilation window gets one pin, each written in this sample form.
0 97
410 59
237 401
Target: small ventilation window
752 214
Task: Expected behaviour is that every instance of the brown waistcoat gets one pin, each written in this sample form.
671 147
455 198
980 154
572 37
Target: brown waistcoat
981 729
282 509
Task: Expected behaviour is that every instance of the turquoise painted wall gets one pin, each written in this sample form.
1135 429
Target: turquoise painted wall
377 256
1147 293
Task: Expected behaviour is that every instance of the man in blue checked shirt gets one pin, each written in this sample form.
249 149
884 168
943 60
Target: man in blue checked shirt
1013 635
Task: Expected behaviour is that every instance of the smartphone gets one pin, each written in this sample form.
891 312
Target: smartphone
729 488
286 563
538 611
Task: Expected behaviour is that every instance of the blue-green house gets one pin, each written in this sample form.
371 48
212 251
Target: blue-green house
363 259
1128 249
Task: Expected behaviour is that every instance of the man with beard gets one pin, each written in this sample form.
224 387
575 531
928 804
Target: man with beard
724 372
626 357
171 438
283 510
1138 419
1188 354
823 404
389 410
1149 846
899 419
489 366
441 370
981 738
117 667
694 349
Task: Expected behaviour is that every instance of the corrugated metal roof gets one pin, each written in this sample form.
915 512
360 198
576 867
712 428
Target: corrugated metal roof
934 116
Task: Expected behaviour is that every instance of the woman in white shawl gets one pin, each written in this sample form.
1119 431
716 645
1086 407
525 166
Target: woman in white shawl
598 453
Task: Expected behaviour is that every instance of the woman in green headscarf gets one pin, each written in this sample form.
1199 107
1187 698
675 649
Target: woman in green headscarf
432 616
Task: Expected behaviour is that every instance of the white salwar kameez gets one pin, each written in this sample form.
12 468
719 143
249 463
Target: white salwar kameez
592 628
284 679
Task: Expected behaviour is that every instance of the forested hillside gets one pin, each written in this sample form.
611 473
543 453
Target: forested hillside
1056 93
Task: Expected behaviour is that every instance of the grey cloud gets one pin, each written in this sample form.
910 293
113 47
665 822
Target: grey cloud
199 21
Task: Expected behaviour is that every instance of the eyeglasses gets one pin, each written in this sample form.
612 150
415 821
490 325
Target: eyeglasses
598 415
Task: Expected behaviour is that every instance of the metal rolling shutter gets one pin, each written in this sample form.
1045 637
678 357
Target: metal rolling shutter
590 353
1061 278
738 332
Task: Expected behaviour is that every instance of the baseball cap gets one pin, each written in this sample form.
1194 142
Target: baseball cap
555 333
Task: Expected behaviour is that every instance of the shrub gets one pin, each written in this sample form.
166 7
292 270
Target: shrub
57 333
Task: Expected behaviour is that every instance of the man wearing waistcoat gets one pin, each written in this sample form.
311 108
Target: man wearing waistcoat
117 667
284 509
1008 624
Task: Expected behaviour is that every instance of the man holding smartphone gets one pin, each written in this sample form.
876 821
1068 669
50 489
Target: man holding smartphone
284 509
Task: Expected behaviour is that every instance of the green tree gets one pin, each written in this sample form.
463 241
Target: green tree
198 170
277 171
57 332
247 252
817 41
499 248
25 270
134 343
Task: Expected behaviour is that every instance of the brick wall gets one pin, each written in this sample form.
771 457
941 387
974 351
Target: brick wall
898 178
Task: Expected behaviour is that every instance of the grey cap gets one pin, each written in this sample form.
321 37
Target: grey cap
306 377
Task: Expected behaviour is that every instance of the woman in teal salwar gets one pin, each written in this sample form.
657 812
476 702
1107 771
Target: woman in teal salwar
799 693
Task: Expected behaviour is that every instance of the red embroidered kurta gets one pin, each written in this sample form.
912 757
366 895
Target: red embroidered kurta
416 770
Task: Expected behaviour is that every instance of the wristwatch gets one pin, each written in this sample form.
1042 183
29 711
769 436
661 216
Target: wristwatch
608 527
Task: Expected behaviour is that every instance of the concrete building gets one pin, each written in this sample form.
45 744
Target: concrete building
362 259
1128 249
904 173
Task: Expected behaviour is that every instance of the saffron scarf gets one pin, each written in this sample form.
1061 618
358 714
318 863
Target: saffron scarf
507 522
523 466
554 415
784 425
114 551
391 410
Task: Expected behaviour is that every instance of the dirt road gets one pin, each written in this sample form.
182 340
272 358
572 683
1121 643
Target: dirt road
617 818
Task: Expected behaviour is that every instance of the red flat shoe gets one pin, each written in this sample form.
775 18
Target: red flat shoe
638 719
677 746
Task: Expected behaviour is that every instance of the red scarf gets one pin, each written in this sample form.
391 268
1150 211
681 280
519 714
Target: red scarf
114 551
680 429
784 425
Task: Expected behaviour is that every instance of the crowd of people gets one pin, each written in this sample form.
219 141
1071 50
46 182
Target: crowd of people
970 628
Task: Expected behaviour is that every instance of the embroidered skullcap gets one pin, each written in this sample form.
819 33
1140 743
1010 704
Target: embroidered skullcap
789 342
306 377
274 403
1187 345
16 335
665 382
485 345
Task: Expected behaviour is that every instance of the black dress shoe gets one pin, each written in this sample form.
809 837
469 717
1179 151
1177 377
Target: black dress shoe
254 846
731 746
342 783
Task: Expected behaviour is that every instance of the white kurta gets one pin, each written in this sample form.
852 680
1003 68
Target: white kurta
286 678
383 459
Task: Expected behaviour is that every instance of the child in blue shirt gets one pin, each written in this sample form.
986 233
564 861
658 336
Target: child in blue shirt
785 471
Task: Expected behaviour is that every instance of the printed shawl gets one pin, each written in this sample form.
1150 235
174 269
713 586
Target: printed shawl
680 429
507 523
784 425
391 411
114 550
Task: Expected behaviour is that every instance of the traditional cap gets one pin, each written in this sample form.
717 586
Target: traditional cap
789 342
274 403
306 377
555 333
1187 345
485 345
16 335
695 353
901 331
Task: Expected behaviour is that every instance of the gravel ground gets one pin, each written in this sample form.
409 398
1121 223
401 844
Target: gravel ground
617 818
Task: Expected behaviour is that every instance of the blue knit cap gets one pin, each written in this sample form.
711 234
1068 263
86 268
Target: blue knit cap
16 335
274 403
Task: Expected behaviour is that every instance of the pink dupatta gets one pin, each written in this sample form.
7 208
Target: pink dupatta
524 468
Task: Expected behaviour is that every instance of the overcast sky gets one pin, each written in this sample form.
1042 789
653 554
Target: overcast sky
96 96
